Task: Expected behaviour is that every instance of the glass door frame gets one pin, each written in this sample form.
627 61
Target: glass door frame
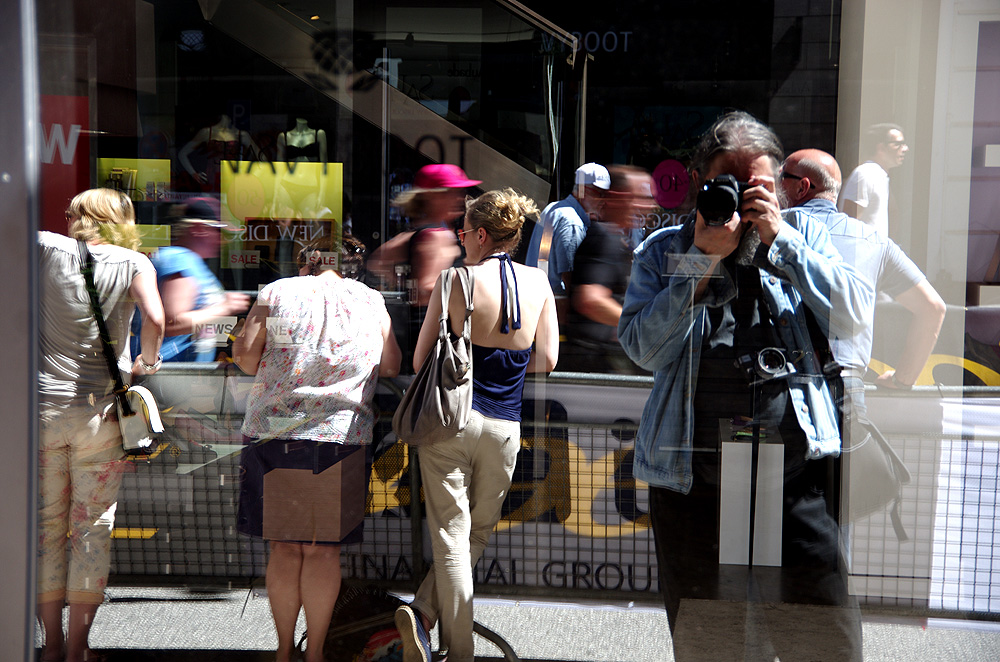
19 169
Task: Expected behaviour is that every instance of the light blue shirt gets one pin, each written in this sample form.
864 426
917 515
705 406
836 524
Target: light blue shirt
661 329
176 260
877 258
569 223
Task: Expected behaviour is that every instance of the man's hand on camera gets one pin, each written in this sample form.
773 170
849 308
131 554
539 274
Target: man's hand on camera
760 207
719 240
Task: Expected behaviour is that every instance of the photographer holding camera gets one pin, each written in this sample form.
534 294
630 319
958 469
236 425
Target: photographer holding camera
731 310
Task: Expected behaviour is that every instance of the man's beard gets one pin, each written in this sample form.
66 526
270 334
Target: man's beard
747 247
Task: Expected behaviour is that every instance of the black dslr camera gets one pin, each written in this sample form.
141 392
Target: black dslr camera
769 363
719 198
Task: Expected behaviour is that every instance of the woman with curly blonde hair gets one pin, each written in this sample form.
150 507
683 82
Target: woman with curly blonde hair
103 216
466 476
80 449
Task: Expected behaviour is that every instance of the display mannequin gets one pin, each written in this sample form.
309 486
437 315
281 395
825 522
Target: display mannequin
302 143
222 141
298 192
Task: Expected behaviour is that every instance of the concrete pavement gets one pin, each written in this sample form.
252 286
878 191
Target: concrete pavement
176 625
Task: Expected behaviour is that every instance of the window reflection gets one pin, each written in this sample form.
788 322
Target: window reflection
244 132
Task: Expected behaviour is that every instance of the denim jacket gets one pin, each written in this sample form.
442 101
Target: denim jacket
661 329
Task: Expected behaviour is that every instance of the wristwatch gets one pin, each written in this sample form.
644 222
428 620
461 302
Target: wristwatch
150 367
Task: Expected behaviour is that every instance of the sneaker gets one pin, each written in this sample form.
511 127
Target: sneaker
416 642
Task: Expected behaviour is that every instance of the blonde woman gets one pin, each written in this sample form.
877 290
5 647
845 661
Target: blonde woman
80 450
466 477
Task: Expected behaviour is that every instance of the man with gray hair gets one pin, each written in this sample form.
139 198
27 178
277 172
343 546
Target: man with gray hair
738 438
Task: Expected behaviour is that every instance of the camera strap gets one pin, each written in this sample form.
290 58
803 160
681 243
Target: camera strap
752 472
765 466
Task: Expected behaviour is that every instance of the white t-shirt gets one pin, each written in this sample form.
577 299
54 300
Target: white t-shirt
72 366
868 187
318 372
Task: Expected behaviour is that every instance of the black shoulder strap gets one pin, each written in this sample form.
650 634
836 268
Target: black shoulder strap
821 346
409 245
87 269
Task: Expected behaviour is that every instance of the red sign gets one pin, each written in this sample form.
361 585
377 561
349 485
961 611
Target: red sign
671 180
65 152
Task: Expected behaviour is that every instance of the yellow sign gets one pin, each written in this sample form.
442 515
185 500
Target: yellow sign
141 179
279 190
153 237
573 487
133 533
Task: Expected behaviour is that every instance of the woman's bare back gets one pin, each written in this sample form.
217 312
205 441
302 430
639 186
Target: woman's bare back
533 290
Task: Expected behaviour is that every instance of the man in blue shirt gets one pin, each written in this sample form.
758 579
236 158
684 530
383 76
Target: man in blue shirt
731 318
569 219
810 182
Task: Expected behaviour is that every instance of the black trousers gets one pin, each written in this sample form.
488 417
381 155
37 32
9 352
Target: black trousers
799 611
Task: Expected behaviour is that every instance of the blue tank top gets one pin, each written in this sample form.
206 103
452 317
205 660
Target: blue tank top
498 374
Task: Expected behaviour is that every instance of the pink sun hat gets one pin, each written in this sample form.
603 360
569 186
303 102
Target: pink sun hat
439 176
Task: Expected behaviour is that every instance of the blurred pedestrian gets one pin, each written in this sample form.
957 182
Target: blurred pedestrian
433 204
192 295
411 262
865 195
600 276
569 219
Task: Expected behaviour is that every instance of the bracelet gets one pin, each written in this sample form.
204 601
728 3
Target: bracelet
150 367
900 385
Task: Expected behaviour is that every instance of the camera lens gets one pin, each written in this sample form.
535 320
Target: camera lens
718 199
771 361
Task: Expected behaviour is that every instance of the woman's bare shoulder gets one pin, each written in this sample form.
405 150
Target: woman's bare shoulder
533 276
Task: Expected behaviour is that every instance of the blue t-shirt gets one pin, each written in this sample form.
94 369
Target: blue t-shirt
569 223
176 261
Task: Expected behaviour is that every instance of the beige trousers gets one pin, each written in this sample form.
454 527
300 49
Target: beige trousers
80 464
465 480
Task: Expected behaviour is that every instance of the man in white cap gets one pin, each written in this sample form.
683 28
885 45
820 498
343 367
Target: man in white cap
569 219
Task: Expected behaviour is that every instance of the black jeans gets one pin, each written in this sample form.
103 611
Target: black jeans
799 611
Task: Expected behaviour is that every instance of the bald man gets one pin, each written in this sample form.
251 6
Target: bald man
809 181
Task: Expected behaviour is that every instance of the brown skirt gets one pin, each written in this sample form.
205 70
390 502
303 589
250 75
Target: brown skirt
299 490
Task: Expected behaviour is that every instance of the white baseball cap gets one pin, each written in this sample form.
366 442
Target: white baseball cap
593 174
